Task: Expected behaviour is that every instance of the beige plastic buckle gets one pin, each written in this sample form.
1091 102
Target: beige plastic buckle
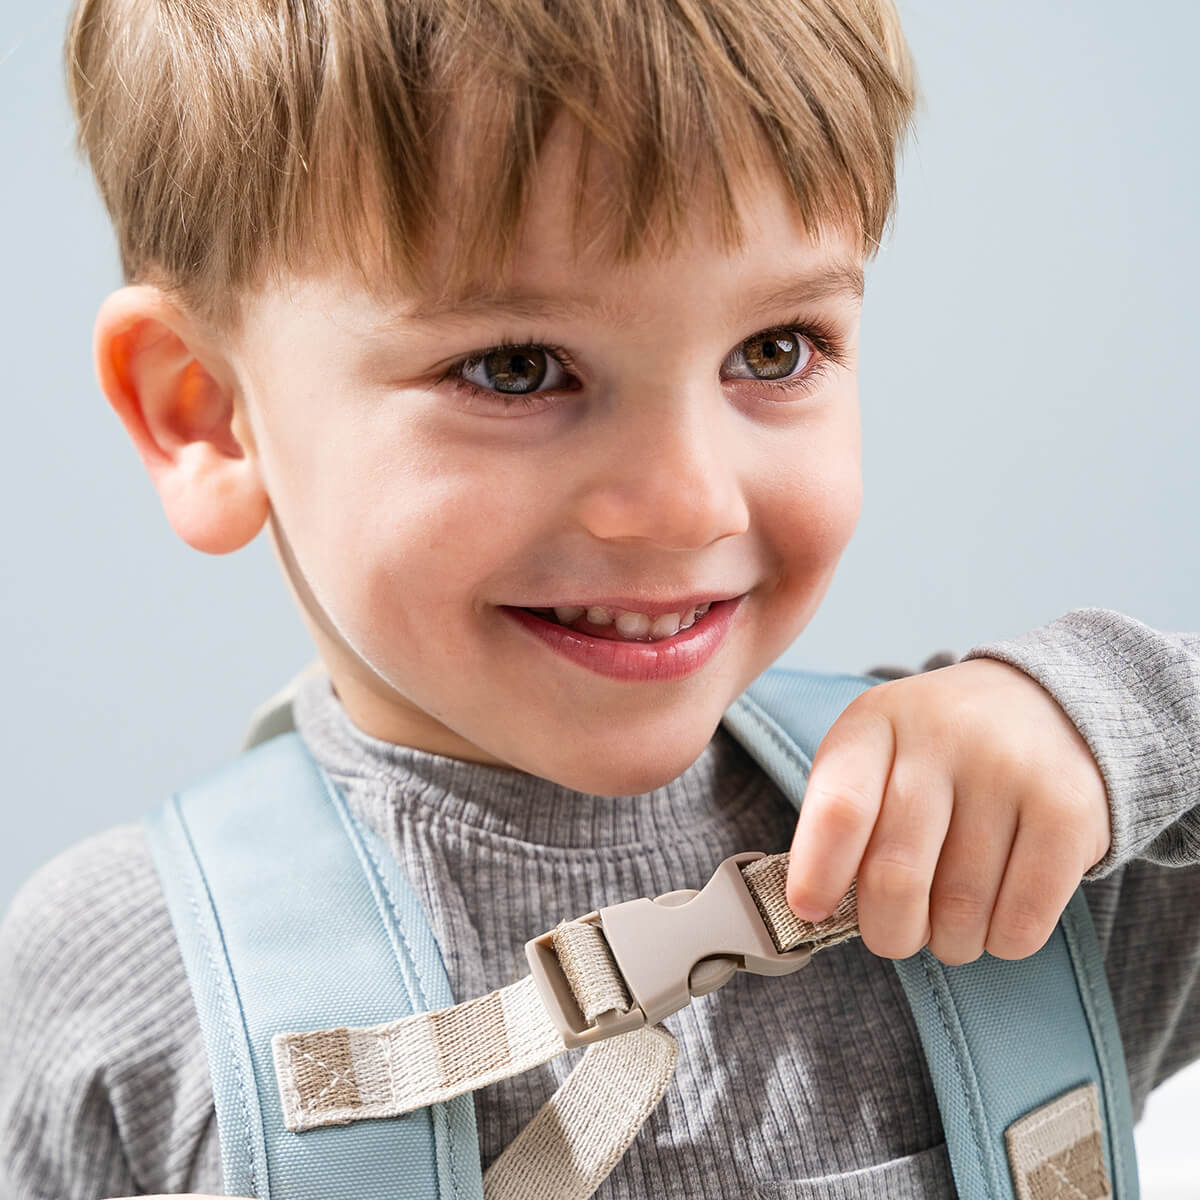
679 946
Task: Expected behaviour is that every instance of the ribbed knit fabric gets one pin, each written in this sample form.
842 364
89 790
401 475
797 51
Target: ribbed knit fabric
808 1086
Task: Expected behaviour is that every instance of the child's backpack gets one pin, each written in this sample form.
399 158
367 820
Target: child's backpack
342 1068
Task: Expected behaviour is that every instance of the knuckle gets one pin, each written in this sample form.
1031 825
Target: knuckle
945 709
1024 920
917 789
867 719
872 705
845 808
905 788
893 872
1064 807
946 724
864 718
960 908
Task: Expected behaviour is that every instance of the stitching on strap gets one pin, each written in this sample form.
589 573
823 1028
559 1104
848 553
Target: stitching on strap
958 1064
232 1036
1074 947
385 887
1039 1120
334 1076
778 736
398 925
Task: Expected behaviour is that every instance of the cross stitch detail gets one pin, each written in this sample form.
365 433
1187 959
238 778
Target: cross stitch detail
1056 1151
1076 1174
323 1071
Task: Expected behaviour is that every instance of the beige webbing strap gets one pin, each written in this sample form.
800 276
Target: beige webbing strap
765 880
588 965
335 1076
582 1131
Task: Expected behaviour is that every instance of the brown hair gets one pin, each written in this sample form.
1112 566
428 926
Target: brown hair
229 137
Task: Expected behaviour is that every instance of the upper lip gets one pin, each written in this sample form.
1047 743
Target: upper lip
651 608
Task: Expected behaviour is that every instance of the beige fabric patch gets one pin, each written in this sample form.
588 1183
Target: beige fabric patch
323 1070
335 1076
1056 1151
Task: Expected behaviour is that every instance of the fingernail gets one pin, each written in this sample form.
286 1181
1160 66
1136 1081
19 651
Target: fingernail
809 914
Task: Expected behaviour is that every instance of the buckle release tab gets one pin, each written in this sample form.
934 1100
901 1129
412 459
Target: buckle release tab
668 950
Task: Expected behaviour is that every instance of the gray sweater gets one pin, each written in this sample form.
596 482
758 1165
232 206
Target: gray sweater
809 1086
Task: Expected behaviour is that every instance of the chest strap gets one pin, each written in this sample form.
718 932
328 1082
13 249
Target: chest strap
616 970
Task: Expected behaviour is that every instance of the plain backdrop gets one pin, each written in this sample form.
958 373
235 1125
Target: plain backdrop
1028 393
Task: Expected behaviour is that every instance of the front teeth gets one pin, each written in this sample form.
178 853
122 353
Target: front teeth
667 625
634 626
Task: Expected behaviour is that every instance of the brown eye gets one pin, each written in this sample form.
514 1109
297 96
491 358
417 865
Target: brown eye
773 355
515 370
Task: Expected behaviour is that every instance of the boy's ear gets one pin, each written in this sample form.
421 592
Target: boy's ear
177 396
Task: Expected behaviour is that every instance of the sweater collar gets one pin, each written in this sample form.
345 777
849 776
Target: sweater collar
503 803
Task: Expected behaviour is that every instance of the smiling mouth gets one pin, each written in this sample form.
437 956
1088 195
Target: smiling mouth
622 625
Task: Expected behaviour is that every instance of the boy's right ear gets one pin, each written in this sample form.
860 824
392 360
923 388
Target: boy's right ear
177 395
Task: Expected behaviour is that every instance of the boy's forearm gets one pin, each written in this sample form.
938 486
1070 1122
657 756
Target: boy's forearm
1134 695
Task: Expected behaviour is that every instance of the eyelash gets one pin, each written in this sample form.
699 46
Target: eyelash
823 339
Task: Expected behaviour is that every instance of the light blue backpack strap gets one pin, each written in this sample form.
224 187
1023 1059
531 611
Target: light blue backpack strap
291 916
1000 1038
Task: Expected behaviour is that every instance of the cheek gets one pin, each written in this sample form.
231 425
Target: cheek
832 504
424 537
814 506
815 521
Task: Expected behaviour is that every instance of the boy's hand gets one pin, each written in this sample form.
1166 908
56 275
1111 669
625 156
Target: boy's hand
967 805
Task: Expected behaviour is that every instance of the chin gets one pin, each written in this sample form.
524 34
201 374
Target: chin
628 770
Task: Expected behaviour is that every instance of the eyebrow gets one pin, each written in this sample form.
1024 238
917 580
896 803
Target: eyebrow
836 279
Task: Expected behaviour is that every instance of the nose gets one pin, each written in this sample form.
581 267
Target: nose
666 474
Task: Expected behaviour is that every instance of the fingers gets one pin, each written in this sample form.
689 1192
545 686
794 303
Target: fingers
901 857
845 789
964 813
1044 869
969 875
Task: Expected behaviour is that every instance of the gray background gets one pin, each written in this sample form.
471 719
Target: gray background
1029 405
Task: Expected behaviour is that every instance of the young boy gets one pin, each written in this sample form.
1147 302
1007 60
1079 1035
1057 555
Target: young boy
529 330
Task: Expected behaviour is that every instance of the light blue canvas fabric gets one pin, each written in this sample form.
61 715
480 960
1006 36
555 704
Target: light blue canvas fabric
262 956
290 916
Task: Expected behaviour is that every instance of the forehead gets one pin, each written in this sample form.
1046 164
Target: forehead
567 261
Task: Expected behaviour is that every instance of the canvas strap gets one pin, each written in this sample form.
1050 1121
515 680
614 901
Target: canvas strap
581 1132
338 1076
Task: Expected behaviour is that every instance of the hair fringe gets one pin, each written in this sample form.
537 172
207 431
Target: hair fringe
233 138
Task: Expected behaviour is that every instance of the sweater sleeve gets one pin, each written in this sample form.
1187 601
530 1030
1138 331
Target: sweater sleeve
1134 695
103 1081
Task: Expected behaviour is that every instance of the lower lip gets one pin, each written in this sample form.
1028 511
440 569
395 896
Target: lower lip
637 662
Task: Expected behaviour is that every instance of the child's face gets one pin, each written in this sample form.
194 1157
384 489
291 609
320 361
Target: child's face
646 468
